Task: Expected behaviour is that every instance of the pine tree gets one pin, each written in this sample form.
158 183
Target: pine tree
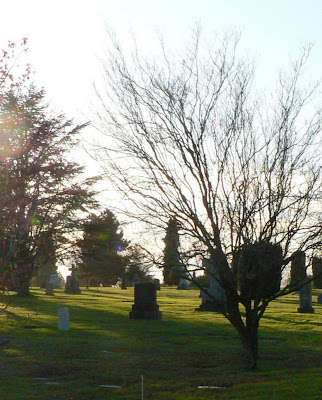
101 250
39 195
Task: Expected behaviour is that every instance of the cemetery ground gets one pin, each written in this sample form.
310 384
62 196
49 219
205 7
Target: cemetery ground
188 355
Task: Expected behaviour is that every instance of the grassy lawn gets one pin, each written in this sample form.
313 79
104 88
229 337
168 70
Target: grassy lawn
185 350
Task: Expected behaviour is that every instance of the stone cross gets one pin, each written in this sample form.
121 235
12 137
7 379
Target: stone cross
73 270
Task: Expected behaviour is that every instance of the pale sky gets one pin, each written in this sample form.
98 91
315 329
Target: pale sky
67 37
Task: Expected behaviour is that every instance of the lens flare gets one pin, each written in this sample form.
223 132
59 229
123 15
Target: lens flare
36 220
103 237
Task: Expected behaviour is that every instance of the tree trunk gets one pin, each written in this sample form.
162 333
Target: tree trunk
249 336
20 281
248 332
23 288
250 346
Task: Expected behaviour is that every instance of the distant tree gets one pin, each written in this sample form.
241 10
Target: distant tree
171 255
101 249
41 194
139 263
242 175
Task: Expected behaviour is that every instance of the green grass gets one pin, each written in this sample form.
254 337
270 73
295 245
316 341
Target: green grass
185 350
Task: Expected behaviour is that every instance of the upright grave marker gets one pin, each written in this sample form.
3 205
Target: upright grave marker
215 298
183 284
63 319
317 272
145 302
72 284
156 283
298 275
305 293
55 280
123 283
49 289
298 268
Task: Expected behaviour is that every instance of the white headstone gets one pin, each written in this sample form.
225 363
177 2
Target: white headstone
63 319
55 280
183 284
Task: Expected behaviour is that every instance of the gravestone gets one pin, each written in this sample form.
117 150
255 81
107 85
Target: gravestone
145 302
214 297
72 284
156 283
123 284
183 284
298 269
55 280
63 319
317 272
49 289
319 300
305 293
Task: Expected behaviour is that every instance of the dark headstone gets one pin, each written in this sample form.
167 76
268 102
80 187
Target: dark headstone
305 293
72 285
320 299
298 268
145 302
156 283
317 272
123 284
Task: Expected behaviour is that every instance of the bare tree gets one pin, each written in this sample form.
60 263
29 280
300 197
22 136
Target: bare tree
188 136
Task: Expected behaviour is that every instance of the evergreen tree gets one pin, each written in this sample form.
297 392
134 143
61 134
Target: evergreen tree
39 194
138 264
171 258
101 248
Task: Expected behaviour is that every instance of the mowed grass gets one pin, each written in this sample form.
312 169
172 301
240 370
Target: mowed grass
185 350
